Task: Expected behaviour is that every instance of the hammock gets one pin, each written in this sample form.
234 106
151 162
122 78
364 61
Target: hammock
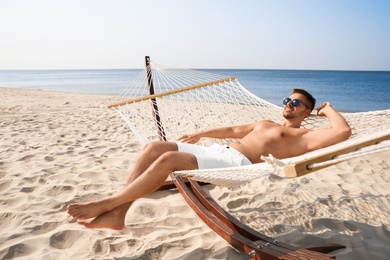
181 101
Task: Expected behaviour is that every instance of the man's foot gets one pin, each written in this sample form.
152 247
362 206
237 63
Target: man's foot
88 210
105 220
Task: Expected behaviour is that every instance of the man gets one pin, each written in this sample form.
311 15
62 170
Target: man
158 159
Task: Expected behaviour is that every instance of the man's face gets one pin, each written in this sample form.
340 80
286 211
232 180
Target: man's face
290 111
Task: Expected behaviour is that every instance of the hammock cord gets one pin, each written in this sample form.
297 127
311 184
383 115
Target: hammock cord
221 104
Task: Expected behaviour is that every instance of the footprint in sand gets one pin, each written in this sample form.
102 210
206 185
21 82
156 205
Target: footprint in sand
20 250
44 228
237 203
58 190
65 239
48 158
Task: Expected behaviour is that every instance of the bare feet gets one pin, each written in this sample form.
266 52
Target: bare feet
88 210
105 220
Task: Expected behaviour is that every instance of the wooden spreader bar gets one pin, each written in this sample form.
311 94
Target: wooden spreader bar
170 92
302 167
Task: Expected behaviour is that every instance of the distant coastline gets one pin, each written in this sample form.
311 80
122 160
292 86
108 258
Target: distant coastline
349 91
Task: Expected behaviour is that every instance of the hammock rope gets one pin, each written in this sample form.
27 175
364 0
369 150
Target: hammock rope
189 101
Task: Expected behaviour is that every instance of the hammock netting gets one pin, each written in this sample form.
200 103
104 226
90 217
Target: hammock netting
186 101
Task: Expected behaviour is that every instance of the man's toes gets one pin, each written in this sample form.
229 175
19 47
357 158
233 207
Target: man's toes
72 210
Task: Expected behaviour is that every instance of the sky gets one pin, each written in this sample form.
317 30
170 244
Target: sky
241 34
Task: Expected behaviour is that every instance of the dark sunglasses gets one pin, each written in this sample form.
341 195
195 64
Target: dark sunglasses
294 102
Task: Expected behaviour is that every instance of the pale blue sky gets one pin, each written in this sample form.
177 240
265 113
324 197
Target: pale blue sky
274 34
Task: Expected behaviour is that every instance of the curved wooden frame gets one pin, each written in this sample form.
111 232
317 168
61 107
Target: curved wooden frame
239 235
242 237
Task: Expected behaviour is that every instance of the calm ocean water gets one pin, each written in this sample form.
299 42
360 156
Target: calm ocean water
350 91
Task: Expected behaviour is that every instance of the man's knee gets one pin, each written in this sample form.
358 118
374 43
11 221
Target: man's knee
174 161
159 144
152 145
158 148
168 157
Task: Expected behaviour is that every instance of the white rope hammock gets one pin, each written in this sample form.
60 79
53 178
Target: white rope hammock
186 101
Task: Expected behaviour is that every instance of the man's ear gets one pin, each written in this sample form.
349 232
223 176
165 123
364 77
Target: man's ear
307 113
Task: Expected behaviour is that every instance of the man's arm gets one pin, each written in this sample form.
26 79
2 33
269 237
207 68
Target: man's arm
220 133
338 131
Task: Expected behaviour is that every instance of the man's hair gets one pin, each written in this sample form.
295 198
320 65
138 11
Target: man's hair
311 99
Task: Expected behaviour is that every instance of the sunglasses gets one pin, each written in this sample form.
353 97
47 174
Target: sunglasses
294 102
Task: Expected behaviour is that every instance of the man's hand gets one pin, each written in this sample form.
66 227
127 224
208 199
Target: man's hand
321 110
190 138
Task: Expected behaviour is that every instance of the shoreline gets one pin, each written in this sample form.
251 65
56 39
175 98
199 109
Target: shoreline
61 147
339 87
113 96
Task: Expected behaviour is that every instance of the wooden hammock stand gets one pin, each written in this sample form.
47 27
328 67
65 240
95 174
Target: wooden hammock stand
242 237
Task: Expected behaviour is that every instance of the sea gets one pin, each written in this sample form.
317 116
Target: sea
348 91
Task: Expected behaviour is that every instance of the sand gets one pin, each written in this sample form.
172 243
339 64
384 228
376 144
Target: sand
59 148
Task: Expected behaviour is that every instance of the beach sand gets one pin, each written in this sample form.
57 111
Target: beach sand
59 148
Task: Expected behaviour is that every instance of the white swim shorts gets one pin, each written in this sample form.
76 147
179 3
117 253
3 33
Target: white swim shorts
215 156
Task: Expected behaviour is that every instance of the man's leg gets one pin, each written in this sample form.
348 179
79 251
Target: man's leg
149 153
147 182
115 218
